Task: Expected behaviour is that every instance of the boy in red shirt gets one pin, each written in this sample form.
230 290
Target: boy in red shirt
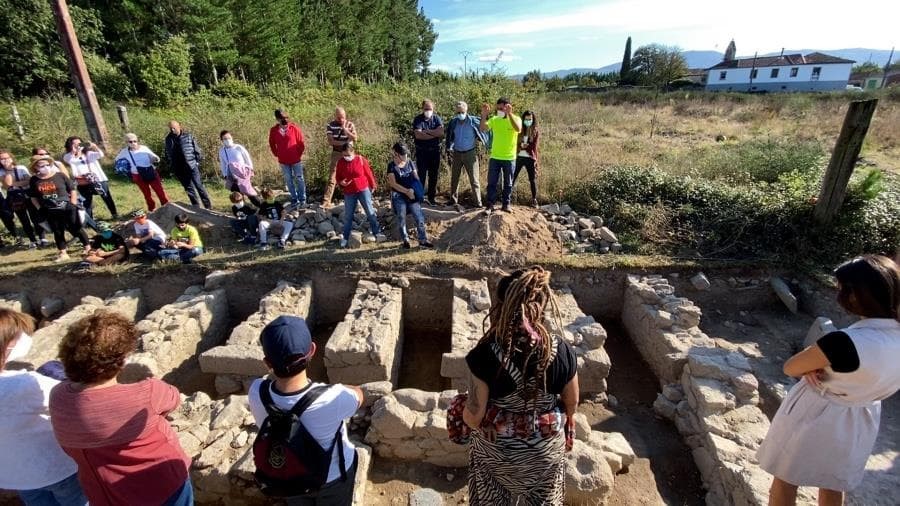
354 175
286 143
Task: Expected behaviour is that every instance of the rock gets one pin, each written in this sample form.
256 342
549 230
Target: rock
50 306
392 419
615 247
673 393
416 399
585 224
664 407
615 443
551 209
598 221
589 479
582 426
608 235
819 328
784 293
565 209
566 236
232 414
356 239
325 227
701 282
374 391
612 400
425 497
401 281
216 279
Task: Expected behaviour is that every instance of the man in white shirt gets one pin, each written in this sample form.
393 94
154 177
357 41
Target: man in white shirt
288 348
148 237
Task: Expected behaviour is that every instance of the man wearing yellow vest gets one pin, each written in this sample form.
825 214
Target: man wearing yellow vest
505 127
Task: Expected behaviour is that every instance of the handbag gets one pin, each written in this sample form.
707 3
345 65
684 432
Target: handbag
416 186
457 430
147 174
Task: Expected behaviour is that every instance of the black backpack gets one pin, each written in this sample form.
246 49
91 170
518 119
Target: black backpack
289 461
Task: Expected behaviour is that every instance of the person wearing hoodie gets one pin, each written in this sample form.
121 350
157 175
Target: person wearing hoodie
287 145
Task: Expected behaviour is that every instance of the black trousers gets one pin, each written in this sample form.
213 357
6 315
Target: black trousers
87 192
528 163
192 182
61 220
428 164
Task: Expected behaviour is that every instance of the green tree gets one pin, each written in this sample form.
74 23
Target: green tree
658 65
867 68
165 71
532 78
625 71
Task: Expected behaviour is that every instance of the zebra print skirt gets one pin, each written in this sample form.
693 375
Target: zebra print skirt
514 471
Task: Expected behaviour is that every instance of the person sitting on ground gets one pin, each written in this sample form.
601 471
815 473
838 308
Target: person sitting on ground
272 214
825 429
354 175
246 219
520 376
288 348
56 200
106 248
527 157
148 236
126 451
141 162
32 464
402 178
184 241
237 167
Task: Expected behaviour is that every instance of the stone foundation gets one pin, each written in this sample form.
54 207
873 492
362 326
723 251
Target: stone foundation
471 305
240 360
128 303
172 337
366 346
587 337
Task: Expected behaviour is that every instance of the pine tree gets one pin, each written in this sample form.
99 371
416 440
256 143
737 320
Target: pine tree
625 72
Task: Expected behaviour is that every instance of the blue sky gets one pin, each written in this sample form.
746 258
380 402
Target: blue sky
558 34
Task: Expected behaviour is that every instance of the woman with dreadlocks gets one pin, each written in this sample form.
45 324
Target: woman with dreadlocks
520 376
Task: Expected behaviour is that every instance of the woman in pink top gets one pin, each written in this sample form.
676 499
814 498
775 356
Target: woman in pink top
126 451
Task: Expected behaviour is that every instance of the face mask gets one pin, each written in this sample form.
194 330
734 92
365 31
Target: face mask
21 348
461 116
349 158
44 170
501 114
527 122
173 131
428 114
239 204
228 143
106 234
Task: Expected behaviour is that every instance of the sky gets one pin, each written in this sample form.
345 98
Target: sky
560 34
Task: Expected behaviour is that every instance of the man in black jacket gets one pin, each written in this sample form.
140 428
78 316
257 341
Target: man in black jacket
184 156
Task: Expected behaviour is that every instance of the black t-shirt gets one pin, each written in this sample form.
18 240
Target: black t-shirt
420 122
113 243
271 211
241 213
53 192
484 364
840 351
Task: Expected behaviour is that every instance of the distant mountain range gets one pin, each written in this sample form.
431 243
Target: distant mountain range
706 59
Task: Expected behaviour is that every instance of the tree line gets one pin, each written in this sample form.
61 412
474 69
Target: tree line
160 49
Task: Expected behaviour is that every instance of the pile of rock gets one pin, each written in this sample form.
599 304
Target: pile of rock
587 337
366 345
319 223
172 337
471 304
240 360
580 233
128 303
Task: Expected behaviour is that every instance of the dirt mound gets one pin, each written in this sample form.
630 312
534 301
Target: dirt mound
517 238
215 230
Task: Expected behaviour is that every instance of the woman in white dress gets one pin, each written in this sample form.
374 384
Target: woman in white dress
825 429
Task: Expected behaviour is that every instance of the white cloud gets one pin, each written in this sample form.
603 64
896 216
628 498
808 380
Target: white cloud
435 21
491 55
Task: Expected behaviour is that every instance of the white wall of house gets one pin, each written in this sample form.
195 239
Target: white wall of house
804 73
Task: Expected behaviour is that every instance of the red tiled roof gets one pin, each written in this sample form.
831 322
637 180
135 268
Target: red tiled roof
780 61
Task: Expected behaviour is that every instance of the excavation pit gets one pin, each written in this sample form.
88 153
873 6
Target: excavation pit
427 312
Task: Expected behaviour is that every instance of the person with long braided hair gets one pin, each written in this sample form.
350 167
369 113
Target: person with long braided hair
519 377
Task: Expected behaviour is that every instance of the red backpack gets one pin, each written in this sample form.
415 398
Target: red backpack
289 461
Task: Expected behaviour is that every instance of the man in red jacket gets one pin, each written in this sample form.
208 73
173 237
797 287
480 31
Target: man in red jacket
286 143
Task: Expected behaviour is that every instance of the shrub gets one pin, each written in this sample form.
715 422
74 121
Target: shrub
231 87
108 79
165 72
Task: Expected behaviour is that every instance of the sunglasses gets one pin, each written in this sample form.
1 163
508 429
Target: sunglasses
132 142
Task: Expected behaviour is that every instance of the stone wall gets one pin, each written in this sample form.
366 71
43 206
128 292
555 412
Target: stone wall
173 336
240 360
587 337
471 305
366 346
710 393
128 303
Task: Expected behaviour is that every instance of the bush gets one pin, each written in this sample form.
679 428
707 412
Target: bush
108 79
165 72
235 88
760 160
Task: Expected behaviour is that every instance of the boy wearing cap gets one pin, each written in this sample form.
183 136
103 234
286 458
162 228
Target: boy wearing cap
288 348
286 144
148 236
107 247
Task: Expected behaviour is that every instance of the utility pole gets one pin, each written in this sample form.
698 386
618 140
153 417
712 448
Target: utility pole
886 66
465 55
80 77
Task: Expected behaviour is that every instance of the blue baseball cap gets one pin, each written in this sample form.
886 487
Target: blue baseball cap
284 339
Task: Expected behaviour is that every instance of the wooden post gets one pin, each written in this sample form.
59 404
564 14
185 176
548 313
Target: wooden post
20 132
843 159
123 117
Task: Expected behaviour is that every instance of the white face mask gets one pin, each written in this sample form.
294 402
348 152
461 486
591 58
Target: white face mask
428 114
527 122
349 158
239 204
45 170
461 116
228 142
21 348
501 114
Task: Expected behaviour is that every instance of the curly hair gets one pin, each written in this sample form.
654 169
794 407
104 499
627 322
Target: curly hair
96 346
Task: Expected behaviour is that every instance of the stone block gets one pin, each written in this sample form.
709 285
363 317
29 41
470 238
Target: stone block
710 396
819 328
392 420
425 497
589 479
593 368
416 399
700 282
614 444
355 240
374 391
240 359
783 291
582 427
664 407
470 305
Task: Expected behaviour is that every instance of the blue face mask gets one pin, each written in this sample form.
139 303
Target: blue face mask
106 234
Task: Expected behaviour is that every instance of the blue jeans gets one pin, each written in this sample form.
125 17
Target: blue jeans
245 227
183 254
192 182
150 248
291 173
365 199
63 493
496 168
184 496
401 207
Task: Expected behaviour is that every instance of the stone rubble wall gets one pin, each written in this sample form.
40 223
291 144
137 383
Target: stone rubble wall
128 303
366 346
218 436
471 305
173 336
587 337
580 233
411 425
240 360
710 393
16 301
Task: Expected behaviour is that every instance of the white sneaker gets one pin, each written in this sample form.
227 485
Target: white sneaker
369 238
62 257
343 243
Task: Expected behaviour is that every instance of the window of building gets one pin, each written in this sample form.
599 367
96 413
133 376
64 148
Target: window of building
816 72
774 73
794 71
753 73
722 75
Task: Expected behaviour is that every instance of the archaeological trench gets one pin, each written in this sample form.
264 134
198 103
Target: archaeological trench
403 338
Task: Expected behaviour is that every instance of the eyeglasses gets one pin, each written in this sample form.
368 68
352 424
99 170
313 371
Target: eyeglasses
132 142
